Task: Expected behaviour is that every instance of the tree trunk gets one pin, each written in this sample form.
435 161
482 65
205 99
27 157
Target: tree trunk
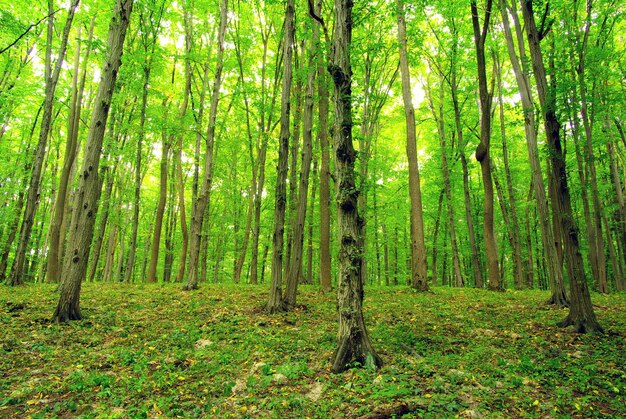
581 314
275 301
55 239
483 150
160 210
419 279
88 190
322 134
549 242
13 227
515 237
435 278
202 201
439 118
353 343
294 265
33 196
309 272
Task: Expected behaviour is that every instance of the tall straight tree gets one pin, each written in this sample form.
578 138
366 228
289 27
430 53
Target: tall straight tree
419 280
202 201
160 211
483 150
322 135
149 28
89 185
581 314
32 198
294 265
275 301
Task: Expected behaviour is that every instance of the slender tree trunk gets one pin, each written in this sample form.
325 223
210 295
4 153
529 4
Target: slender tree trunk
202 202
581 314
16 276
419 279
439 117
309 272
88 190
294 265
322 135
55 240
549 241
353 343
435 278
294 151
483 150
386 253
376 236
516 241
13 228
275 301
529 243
265 124
160 210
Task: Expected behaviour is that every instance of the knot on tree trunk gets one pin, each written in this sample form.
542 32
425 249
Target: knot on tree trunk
481 152
340 78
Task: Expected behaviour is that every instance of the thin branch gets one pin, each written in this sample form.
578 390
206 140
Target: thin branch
12 44
319 20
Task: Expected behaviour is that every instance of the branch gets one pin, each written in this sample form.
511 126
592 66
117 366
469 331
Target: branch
544 28
319 20
12 44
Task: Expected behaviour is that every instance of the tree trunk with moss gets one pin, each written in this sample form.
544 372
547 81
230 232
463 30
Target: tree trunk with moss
353 343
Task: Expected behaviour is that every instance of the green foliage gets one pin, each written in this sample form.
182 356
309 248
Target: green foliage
161 351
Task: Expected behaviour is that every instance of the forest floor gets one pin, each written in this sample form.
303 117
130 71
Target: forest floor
154 350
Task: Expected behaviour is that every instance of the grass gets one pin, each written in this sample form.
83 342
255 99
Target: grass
147 351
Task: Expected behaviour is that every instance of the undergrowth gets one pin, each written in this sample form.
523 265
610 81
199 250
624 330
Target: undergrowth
154 350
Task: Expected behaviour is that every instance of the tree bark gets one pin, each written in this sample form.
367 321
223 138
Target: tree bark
294 265
55 239
202 201
275 301
419 279
439 118
515 236
89 185
353 343
160 210
483 150
16 276
581 314
549 243
322 134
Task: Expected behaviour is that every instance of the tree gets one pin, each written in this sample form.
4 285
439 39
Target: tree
294 265
33 196
89 185
353 343
275 301
322 135
483 150
581 314
419 280
555 272
202 202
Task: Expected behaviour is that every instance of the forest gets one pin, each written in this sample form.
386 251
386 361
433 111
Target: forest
191 186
